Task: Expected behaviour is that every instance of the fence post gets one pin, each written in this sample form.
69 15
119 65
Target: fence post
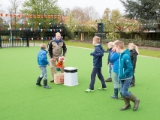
0 42
27 38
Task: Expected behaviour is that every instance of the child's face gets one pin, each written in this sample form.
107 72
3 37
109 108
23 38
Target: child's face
113 49
130 47
94 42
109 46
44 47
117 49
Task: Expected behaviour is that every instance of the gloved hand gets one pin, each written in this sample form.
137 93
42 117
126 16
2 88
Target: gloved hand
92 54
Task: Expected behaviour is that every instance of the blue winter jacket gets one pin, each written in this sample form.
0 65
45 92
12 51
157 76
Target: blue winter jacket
114 58
97 56
57 41
42 58
125 66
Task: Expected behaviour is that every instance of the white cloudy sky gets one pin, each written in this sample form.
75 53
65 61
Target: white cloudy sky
99 5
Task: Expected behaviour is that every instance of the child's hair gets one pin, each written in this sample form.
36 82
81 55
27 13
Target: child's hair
115 42
119 44
134 47
110 44
96 39
43 46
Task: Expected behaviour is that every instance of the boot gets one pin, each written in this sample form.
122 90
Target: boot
127 104
115 96
45 85
39 81
52 80
108 80
135 101
121 96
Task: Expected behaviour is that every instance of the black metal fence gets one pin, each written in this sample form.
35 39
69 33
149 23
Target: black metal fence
21 38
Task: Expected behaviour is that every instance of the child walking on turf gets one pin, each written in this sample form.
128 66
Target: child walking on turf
97 64
133 54
125 74
110 65
42 62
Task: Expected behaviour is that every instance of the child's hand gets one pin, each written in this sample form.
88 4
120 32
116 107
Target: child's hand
51 60
92 54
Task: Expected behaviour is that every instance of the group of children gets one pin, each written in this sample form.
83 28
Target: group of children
123 63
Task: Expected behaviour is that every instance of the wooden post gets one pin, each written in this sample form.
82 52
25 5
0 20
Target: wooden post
82 36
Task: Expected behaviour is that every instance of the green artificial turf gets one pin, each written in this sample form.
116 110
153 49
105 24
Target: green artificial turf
21 99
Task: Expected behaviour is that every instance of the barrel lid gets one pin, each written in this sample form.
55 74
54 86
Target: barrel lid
70 68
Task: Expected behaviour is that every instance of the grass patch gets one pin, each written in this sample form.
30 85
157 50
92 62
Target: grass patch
21 99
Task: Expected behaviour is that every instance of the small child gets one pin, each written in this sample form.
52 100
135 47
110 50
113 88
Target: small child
133 54
114 58
125 74
97 64
42 62
110 65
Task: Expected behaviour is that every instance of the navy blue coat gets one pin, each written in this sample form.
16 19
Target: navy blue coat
97 56
109 55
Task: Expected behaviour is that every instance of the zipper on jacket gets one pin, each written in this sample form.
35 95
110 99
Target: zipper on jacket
119 66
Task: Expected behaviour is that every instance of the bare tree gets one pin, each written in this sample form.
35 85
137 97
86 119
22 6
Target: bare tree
78 14
84 14
1 9
13 9
66 12
90 13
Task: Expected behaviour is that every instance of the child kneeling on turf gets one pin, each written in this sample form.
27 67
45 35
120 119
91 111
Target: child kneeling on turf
97 64
125 74
42 62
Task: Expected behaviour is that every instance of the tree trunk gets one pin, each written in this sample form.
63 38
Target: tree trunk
82 36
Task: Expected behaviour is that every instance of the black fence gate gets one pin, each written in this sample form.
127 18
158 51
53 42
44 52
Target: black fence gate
22 37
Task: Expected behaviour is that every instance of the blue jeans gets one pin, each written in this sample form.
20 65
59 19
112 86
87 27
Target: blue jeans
110 66
124 85
93 77
116 82
43 72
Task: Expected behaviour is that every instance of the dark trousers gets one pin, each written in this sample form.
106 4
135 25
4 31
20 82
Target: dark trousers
93 77
133 79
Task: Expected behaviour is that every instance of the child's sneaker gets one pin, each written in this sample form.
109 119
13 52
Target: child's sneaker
102 88
47 87
89 90
114 97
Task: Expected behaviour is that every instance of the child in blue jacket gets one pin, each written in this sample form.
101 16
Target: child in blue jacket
97 64
114 58
109 63
42 62
125 74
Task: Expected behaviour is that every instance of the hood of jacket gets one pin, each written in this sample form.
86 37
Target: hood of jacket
57 41
126 52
